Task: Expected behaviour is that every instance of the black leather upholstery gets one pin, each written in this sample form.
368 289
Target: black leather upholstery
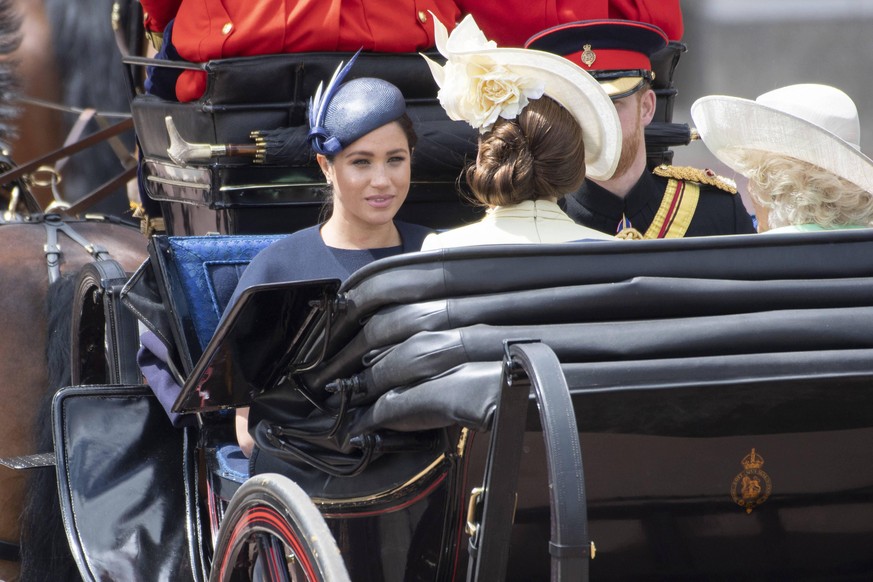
422 332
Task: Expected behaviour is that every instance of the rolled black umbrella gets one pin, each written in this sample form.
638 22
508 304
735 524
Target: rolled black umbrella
663 134
283 145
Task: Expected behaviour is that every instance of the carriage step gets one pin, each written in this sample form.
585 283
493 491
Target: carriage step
29 461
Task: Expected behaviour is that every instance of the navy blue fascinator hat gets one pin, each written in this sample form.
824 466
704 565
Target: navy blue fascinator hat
345 112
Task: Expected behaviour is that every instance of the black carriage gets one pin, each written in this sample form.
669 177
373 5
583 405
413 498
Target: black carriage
437 410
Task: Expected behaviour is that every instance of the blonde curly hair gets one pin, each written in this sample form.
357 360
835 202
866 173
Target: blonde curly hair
796 192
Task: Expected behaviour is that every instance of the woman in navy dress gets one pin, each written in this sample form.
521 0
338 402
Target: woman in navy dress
363 140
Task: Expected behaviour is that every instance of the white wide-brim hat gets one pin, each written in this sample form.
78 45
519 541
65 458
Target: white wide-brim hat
563 81
816 124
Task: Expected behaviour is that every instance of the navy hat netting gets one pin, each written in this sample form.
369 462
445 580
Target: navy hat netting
351 111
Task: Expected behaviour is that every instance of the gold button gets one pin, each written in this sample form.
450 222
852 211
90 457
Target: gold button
422 16
226 28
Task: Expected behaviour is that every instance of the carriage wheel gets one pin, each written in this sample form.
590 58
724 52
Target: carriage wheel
272 531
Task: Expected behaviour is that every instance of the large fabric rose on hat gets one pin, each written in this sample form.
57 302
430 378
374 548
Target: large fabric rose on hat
474 88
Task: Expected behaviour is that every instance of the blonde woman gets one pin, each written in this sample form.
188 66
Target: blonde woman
799 146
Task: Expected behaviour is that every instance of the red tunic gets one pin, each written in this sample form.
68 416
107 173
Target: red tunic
665 14
214 29
512 22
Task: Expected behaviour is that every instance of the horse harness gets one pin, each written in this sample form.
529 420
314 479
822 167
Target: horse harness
53 225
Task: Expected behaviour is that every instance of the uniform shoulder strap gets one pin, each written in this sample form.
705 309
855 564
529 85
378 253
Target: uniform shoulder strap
689 174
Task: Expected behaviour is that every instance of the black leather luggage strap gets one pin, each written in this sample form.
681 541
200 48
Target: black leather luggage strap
526 365
489 544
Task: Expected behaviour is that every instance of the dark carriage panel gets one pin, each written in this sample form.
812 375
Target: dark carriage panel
660 508
664 465
126 481
812 434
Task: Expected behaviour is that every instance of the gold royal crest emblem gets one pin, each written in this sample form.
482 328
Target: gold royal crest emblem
588 56
752 486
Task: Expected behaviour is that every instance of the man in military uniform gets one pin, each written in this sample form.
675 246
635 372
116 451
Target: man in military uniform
669 202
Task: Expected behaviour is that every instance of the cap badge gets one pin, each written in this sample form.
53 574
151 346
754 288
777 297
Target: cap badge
588 56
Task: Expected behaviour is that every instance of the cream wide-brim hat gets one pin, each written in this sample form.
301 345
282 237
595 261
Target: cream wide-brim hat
816 124
581 95
563 81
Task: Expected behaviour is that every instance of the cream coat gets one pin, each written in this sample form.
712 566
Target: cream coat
540 221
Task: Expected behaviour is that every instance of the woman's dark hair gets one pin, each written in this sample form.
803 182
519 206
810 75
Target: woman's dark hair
406 125
539 154
408 128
